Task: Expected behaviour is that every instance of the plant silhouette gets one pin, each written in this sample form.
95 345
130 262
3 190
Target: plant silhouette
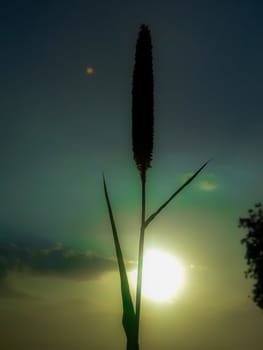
254 250
142 143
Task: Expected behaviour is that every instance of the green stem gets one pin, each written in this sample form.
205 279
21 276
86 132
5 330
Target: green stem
132 344
140 258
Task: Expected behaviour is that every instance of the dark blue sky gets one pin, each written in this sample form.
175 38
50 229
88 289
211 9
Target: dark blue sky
60 128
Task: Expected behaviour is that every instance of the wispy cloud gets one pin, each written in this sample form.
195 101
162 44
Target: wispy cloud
207 185
56 260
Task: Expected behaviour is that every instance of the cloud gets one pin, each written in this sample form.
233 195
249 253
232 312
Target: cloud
56 260
207 185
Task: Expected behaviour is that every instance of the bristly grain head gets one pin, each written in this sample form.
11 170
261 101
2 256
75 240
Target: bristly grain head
142 102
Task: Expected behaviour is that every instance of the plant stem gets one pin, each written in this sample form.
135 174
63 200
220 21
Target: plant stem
140 258
132 344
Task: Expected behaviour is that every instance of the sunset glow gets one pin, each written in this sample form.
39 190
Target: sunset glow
163 276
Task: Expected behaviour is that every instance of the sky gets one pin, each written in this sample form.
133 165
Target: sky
61 128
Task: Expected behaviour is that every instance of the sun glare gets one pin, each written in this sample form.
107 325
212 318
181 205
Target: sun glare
163 276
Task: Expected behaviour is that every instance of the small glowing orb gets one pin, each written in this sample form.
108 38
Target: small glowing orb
163 276
89 70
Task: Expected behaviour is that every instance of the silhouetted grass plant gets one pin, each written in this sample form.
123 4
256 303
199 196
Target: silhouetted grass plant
142 143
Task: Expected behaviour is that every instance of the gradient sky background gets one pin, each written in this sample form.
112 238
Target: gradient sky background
60 128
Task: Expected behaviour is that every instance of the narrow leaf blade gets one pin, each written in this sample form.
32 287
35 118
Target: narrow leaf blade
128 309
151 217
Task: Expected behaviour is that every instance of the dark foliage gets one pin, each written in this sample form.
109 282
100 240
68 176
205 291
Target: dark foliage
254 250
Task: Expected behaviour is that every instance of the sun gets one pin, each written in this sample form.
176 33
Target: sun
163 276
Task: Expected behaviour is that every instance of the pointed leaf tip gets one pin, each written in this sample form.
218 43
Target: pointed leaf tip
127 304
187 182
